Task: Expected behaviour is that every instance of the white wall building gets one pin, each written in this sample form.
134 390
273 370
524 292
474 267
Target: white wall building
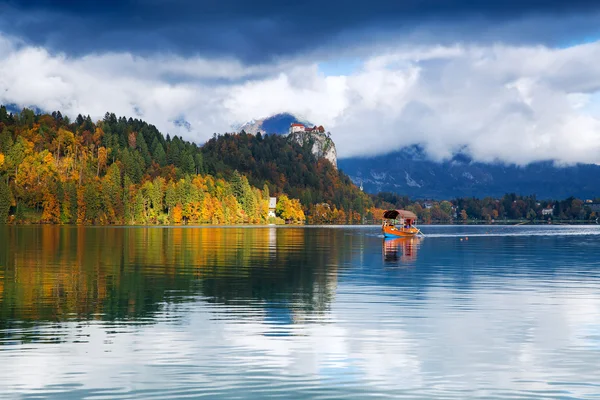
272 206
297 128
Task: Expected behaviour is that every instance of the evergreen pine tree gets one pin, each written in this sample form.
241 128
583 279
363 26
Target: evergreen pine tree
4 201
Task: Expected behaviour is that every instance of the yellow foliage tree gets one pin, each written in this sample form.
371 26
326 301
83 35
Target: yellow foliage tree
289 209
51 213
207 209
81 209
218 216
102 159
177 214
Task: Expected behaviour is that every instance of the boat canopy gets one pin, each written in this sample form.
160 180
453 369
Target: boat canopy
394 214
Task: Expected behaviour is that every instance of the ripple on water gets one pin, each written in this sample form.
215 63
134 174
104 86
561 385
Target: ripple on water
320 313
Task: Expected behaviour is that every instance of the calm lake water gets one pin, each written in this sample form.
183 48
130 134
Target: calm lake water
323 313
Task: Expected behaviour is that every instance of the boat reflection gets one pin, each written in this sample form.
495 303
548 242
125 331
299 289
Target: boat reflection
401 250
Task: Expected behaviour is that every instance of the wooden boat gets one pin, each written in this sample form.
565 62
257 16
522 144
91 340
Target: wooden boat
399 223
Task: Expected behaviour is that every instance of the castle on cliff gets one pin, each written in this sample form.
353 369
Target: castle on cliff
295 127
321 142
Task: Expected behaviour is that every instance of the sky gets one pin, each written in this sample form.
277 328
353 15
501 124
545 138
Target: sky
504 81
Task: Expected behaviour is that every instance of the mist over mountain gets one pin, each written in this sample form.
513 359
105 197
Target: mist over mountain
409 172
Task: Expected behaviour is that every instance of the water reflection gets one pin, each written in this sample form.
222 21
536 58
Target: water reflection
54 274
269 312
400 251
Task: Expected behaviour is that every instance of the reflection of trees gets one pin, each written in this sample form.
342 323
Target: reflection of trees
54 273
298 269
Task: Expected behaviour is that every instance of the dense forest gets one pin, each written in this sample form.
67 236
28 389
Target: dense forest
326 193
510 207
118 171
124 171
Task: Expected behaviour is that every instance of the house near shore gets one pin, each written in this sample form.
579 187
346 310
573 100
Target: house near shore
272 206
548 211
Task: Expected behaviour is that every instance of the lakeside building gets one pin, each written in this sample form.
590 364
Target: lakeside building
272 206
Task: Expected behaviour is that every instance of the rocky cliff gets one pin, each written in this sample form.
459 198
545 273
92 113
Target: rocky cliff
322 145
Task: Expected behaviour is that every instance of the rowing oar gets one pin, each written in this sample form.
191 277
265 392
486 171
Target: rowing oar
420 232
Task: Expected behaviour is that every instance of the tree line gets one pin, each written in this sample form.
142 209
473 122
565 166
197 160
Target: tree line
284 166
118 171
509 207
124 171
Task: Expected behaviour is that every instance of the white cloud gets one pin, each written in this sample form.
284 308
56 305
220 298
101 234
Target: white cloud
514 104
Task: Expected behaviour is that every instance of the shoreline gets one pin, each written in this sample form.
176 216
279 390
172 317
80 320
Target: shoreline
306 225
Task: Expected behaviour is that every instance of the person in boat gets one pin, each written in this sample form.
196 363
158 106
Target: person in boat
404 225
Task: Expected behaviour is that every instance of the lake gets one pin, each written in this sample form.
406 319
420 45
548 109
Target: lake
299 312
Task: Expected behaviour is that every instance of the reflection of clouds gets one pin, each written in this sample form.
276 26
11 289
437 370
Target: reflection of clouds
481 338
500 334
510 335
302 352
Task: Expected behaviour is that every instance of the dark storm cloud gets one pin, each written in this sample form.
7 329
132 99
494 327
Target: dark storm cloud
257 31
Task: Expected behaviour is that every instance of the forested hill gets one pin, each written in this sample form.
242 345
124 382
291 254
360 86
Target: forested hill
117 171
285 167
124 171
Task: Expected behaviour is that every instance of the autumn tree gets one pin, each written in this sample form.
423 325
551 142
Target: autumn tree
290 209
177 214
51 213
102 159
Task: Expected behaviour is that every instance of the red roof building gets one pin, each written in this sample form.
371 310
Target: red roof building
296 127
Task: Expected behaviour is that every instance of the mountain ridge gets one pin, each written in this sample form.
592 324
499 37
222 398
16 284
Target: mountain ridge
409 172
